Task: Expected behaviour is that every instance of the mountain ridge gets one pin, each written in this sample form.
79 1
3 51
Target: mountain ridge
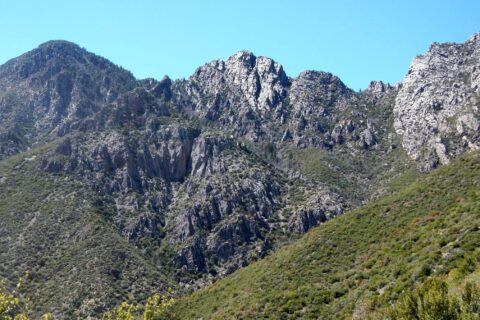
202 176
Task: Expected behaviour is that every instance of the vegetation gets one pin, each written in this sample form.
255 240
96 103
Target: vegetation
149 189
154 309
62 237
13 305
358 263
364 259
353 176
431 300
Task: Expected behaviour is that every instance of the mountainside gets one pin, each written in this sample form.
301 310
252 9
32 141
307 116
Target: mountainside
53 89
358 263
52 228
437 110
192 179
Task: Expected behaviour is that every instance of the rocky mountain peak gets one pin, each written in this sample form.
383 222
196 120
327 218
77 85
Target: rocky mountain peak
316 89
261 79
244 58
58 49
437 108
475 37
54 56
244 61
321 77
378 87
61 46
259 82
53 89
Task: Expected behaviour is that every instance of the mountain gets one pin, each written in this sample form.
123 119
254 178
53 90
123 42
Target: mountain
52 228
53 89
113 188
358 263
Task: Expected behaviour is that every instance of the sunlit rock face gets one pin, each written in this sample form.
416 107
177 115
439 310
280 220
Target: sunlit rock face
437 110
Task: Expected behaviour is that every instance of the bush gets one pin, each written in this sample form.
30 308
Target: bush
471 302
156 306
125 311
154 309
12 306
432 301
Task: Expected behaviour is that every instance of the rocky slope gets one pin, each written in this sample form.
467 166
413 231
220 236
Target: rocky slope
53 228
354 266
437 109
53 89
202 176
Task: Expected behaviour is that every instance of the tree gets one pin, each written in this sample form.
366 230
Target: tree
156 306
12 306
125 311
154 309
471 302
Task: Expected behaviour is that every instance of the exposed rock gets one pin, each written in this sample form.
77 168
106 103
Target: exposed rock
65 147
163 88
54 89
320 208
52 166
367 139
235 94
192 258
260 81
286 136
312 96
439 103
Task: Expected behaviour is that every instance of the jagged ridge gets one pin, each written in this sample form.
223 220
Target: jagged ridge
205 175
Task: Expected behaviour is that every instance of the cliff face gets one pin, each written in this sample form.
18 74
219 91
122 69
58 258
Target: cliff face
200 177
259 80
437 108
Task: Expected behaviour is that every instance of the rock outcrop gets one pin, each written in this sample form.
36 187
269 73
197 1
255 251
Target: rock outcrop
259 81
437 109
316 210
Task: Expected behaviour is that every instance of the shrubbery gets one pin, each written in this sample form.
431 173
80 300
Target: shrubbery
154 309
13 306
432 301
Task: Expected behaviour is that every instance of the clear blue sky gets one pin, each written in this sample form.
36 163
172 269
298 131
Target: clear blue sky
357 40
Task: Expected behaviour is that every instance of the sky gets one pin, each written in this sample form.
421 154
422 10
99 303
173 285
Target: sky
358 41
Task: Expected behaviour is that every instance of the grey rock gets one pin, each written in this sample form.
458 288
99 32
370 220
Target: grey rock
319 208
438 104
54 89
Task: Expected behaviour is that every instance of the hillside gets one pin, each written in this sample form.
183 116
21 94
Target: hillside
52 228
361 260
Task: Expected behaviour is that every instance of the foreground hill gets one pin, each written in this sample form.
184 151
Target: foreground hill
52 228
362 260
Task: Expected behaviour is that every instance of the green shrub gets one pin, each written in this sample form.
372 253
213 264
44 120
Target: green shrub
155 309
431 301
13 306
157 305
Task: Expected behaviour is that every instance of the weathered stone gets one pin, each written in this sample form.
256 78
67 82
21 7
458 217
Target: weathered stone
439 102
